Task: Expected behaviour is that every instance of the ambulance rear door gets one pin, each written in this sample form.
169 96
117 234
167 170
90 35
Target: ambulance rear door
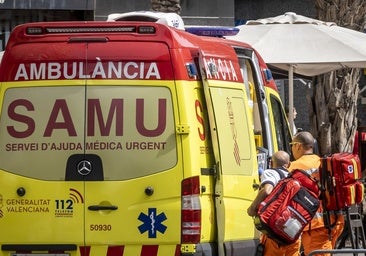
41 126
234 149
88 152
132 193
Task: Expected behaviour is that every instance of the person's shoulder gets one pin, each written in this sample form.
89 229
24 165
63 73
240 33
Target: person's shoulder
312 157
272 176
271 170
306 157
305 162
281 172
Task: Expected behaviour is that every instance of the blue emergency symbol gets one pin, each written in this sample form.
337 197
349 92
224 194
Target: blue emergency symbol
152 223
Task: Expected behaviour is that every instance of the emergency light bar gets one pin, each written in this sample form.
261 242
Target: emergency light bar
114 29
91 29
215 31
173 20
267 74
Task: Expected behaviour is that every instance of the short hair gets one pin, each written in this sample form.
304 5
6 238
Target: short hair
305 138
280 159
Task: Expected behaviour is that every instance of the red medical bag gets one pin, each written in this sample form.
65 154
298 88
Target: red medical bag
341 184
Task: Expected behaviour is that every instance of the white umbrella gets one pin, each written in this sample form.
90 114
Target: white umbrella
304 46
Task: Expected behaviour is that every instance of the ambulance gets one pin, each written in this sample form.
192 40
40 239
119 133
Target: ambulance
132 138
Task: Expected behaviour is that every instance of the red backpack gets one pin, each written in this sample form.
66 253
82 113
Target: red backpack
341 184
291 205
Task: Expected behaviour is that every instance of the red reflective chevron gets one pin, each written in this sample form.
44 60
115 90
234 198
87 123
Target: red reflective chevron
115 250
84 250
149 250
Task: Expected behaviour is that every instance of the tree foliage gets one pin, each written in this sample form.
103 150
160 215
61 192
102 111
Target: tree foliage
166 6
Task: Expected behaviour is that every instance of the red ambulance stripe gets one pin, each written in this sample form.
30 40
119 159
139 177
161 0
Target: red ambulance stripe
115 250
149 250
177 250
84 250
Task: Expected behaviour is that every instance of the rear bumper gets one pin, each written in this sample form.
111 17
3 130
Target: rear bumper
233 248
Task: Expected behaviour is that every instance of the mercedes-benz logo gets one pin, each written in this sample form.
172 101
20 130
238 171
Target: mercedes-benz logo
84 167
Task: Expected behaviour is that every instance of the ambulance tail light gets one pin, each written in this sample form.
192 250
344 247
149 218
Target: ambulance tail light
191 210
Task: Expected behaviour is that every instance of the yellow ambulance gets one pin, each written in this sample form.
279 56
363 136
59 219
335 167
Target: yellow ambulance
132 138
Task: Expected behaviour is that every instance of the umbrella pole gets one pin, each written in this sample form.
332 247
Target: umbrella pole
291 97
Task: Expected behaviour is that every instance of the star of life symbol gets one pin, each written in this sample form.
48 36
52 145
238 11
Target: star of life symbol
152 223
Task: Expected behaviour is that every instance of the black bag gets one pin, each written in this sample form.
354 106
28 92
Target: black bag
259 250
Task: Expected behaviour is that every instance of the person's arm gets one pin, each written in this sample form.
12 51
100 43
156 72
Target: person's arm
262 194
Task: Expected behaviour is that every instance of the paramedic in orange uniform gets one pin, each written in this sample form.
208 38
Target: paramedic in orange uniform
315 236
269 179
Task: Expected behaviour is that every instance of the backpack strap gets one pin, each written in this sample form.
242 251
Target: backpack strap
280 171
326 183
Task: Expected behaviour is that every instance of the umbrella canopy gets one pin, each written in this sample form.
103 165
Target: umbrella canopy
304 46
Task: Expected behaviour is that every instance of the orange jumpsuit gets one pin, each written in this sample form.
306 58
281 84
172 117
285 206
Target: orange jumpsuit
271 248
316 236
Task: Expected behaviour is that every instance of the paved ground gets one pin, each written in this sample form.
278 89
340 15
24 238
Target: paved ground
344 252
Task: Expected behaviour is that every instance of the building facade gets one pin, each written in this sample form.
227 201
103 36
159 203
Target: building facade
193 12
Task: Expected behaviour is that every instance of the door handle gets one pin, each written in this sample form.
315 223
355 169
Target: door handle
102 207
255 185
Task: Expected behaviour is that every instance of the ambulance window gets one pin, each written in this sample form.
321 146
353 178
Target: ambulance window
234 131
282 130
148 142
249 83
130 128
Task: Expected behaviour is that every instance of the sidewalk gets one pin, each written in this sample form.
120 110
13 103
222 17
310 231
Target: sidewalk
340 252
